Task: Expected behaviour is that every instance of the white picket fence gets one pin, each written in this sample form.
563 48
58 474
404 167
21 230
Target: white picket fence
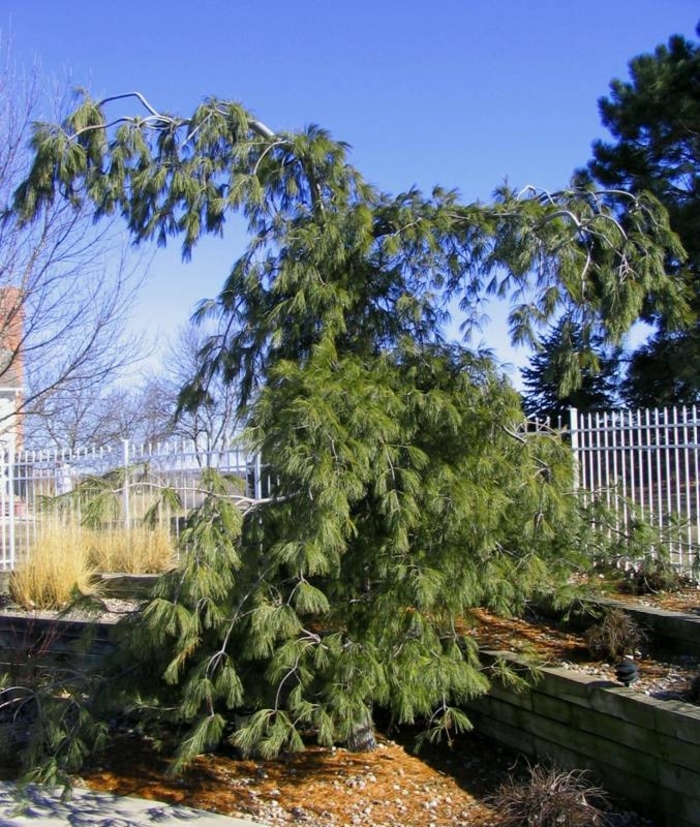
640 463
644 463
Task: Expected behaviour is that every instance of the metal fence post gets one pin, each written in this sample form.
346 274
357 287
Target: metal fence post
575 447
258 477
11 482
127 483
7 504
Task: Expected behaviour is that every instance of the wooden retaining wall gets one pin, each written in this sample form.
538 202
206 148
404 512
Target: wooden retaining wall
43 635
645 749
35 633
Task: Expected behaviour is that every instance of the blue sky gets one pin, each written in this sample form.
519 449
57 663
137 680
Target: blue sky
453 92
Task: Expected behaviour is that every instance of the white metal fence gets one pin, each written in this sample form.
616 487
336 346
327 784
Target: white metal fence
31 480
641 462
644 463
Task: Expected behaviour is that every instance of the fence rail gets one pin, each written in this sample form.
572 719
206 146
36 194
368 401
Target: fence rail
642 462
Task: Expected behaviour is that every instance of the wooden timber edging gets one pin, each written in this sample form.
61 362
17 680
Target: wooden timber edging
24 634
128 586
642 748
62 637
113 584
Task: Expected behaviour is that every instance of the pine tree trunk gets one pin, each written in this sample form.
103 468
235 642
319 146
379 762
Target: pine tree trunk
361 738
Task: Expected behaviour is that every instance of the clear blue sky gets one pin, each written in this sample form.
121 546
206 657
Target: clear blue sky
462 93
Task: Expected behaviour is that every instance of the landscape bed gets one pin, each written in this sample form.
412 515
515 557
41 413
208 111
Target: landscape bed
652 750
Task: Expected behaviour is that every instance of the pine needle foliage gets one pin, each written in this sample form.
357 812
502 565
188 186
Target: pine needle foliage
330 255
344 593
97 500
406 488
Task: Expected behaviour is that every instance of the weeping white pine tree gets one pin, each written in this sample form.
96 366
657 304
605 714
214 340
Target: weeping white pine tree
406 490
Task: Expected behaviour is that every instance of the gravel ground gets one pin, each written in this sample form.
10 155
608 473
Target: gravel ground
660 675
669 681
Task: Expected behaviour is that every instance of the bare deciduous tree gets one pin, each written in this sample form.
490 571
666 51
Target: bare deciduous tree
149 411
212 422
67 284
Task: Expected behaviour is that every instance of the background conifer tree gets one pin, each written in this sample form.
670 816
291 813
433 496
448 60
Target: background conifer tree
565 373
654 120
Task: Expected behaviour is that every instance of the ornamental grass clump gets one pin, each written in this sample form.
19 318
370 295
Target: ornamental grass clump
137 550
55 568
550 798
65 558
614 637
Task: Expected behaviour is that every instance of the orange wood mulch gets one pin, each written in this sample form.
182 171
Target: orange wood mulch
390 786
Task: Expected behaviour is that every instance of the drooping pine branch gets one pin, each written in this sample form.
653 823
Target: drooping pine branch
332 258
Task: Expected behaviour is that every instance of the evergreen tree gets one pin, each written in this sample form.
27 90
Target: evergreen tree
406 489
665 371
564 373
654 119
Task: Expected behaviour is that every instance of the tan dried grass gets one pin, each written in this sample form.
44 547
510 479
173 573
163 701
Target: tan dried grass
54 569
65 558
138 550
